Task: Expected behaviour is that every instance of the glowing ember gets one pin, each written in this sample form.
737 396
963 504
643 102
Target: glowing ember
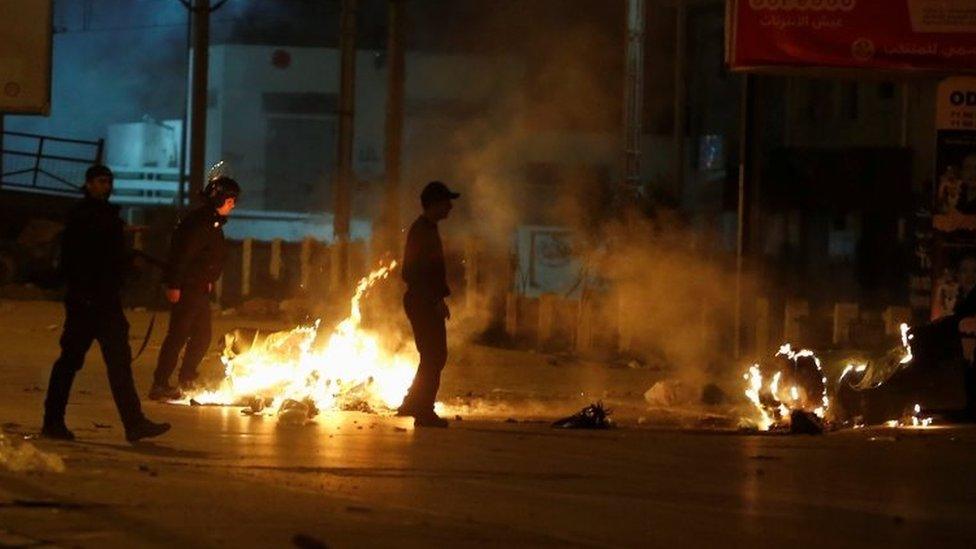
920 421
351 368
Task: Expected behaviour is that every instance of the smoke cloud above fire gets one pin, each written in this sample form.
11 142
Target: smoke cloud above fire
542 147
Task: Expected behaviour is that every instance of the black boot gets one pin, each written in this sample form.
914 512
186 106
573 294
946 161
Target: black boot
164 392
408 409
145 429
429 419
56 430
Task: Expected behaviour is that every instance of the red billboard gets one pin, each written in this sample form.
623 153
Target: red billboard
894 35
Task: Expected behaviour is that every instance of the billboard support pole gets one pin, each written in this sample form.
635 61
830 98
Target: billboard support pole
394 126
744 216
342 206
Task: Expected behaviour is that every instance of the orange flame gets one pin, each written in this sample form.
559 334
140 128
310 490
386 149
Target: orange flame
352 369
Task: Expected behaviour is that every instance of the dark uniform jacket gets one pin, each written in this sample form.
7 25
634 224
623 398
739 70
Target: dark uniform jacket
423 262
94 257
197 250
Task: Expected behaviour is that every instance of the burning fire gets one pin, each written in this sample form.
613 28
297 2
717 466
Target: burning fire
786 391
349 369
755 380
776 400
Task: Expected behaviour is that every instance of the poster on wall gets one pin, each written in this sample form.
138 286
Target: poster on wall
953 250
955 278
548 260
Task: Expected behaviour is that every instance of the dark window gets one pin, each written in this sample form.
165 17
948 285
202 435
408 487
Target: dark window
852 100
886 90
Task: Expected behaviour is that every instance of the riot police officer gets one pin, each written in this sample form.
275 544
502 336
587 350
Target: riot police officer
94 259
195 263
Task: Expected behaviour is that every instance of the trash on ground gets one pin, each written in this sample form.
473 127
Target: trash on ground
594 416
805 423
295 412
304 541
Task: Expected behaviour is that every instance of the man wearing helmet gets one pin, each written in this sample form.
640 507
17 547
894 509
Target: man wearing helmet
94 259
195 263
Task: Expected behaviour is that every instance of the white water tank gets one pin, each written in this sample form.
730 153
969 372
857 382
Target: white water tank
147 144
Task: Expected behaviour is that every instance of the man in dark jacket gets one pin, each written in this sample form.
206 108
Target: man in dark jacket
196 261
93 260
426 278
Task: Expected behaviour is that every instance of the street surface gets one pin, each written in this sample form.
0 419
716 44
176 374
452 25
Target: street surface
221 479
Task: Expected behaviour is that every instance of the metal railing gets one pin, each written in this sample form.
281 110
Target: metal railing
47 164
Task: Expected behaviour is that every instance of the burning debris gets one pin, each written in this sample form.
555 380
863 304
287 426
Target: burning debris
795 397
294 412
299 372
798 385
928 367
594 416
805 423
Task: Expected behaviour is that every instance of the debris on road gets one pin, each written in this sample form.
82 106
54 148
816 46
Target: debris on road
147 469
22 457
669 393
805 423
303 541
594 416
295 412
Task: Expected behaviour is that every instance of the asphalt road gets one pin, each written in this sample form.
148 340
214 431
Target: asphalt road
220 479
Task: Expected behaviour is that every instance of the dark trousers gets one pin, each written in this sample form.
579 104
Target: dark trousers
430 334
84 323
969 379
189 325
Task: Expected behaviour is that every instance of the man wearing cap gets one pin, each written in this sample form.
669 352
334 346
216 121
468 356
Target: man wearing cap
196 262
426 278
94 261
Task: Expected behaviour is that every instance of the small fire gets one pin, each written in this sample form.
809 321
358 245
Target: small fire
350 368
918 421
774 402
755 381
906 339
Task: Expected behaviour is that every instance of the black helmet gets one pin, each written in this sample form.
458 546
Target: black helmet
219 189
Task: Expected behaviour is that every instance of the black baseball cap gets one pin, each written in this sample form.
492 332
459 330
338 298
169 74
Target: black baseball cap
98 170
434 191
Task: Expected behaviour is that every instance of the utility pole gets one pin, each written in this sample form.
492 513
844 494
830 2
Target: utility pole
199 11
200 24
347 106
680 97
1 148
633 102
394 126
747 207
